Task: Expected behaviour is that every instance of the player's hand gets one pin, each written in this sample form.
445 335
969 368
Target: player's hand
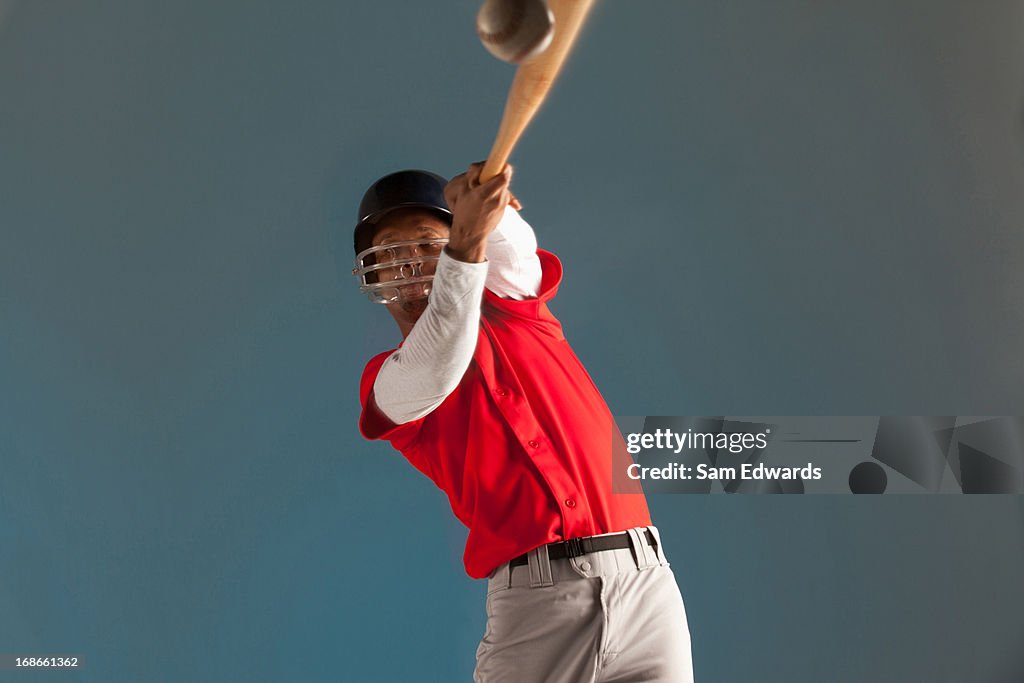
476 210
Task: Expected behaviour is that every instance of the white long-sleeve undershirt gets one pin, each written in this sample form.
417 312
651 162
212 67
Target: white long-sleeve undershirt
415 379
514 271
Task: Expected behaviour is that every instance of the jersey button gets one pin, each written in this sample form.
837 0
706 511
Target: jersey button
502 392
534 444
570 503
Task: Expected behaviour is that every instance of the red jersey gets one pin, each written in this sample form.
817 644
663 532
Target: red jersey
523 446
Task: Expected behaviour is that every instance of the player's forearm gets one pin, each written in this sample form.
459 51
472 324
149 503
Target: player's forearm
515 270
416 378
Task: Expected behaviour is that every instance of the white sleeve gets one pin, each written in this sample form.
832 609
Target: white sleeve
416 378
515 270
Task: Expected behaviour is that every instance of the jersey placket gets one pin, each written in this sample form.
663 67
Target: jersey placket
510 399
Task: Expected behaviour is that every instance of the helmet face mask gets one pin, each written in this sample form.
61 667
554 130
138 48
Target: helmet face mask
398 272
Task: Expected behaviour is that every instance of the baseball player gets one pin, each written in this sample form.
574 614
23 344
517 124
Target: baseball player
486 398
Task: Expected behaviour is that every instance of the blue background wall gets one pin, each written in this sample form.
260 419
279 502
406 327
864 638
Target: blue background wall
779 208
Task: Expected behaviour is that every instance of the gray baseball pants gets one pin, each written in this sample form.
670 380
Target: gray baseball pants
614 616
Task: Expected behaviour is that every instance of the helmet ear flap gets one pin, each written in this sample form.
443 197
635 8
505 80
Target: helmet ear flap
363 239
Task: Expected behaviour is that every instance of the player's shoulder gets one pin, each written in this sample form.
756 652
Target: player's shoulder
531 307
370 371
379 359
551 270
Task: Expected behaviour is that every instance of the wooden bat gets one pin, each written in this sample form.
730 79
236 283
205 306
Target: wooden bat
532 82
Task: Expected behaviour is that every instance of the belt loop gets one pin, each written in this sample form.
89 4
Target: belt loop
658 547
540 567
645 555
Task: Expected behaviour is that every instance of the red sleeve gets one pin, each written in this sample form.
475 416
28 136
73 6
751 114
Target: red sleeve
534 307
373 424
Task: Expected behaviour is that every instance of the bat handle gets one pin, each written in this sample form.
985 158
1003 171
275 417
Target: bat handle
514 119
525 95
493 167
498 157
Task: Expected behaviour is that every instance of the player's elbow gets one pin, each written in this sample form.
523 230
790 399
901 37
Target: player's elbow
416 397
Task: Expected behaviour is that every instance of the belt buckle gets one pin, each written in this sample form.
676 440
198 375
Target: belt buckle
574 547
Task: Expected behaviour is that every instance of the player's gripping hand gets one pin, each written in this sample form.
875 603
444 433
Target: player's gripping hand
476 210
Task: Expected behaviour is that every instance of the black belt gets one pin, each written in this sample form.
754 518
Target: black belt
575 547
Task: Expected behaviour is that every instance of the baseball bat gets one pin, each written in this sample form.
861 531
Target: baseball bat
532 82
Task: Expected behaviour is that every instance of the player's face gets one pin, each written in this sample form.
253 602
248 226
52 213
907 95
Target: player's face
404 225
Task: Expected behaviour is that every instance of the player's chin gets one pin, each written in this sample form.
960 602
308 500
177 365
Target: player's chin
414 302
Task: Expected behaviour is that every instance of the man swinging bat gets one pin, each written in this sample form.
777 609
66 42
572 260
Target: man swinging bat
486 398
